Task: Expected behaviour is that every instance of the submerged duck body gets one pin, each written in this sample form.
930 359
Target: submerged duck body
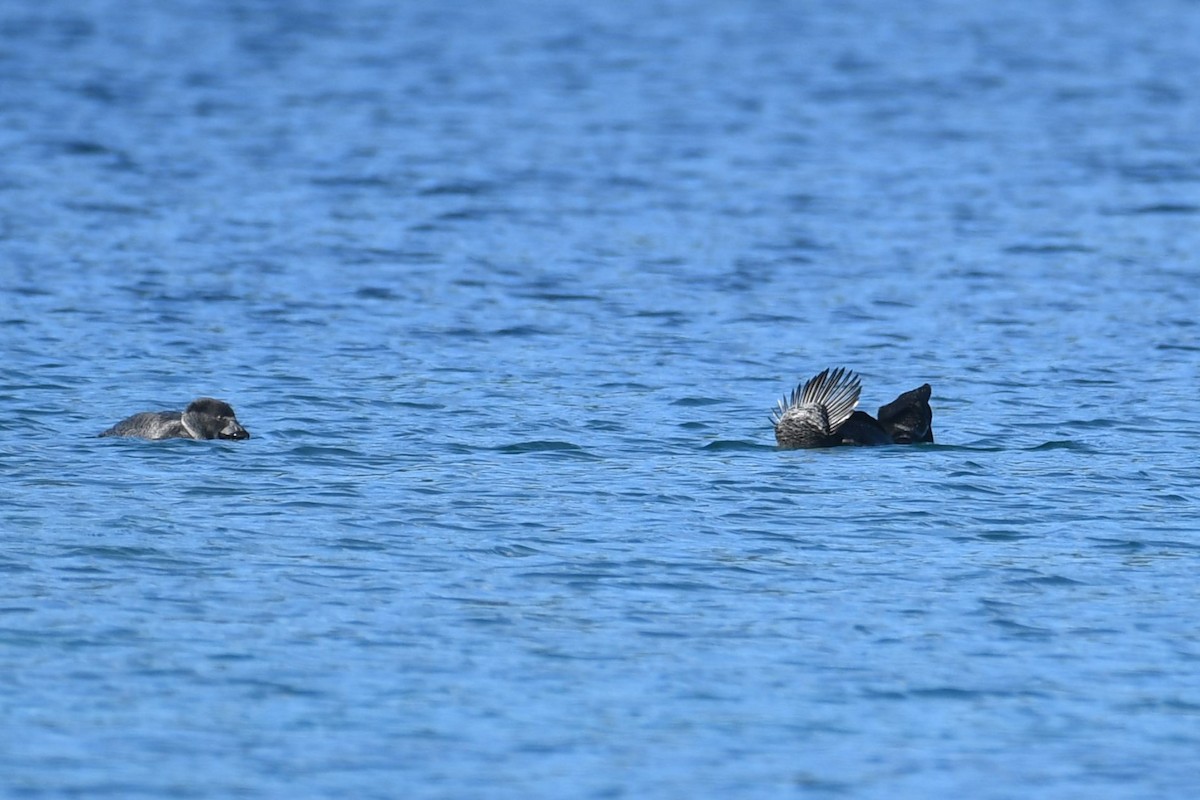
205 418
821 412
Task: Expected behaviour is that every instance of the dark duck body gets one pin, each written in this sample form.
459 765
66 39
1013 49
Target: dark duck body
908 419
821 412
205 418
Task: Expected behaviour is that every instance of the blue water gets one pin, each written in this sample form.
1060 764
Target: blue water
505 292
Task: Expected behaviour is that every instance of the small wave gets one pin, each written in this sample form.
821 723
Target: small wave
1061 445
1047 249
727 445
1165 208
697 401
545 446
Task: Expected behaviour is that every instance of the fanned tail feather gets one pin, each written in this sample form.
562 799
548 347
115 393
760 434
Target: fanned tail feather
837 391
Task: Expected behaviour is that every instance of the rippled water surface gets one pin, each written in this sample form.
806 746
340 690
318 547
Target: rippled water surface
505 292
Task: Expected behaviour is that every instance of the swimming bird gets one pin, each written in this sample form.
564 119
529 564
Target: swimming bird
205 418
822 412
